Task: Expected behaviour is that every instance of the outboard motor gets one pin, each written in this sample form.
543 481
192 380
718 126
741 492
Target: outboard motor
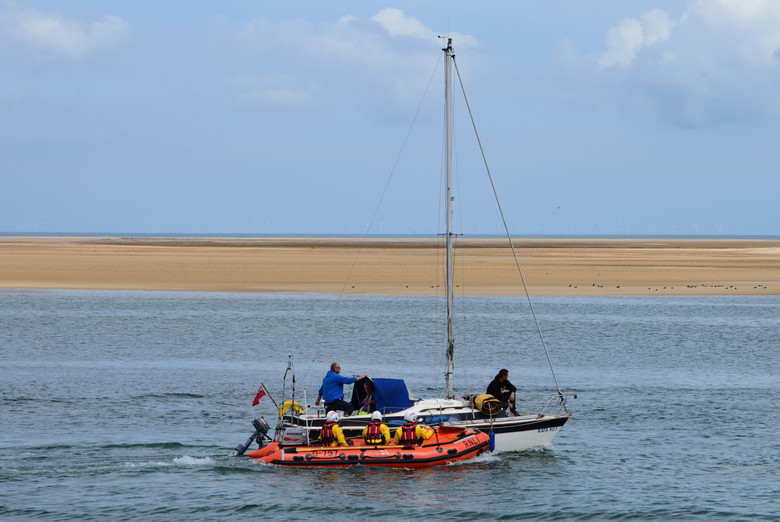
261 432
241 448
261 426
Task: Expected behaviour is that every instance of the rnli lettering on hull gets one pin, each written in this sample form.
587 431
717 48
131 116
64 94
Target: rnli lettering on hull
543 430
471 442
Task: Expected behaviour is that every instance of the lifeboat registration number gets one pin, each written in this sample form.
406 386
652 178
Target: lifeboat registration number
324 453
335 453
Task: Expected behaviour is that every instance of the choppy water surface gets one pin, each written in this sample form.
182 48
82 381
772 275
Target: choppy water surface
126 405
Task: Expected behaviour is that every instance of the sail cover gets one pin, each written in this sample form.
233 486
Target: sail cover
391 395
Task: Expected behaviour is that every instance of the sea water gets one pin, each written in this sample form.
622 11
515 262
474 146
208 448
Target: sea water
127 405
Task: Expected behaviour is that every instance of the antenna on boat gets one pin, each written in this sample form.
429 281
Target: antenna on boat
450 57
284 379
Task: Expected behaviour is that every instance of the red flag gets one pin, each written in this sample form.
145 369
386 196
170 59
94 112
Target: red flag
260 394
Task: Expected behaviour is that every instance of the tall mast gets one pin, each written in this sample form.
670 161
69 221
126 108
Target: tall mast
450 56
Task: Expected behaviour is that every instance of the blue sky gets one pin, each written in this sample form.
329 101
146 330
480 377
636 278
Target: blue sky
253 117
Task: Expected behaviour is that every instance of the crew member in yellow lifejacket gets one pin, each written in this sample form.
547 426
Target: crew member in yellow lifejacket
409 433
376 432
331 433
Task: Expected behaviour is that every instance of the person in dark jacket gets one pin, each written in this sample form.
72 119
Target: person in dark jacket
369 402
503 390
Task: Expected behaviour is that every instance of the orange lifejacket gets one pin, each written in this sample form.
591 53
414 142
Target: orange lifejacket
374 433
409 434
326 434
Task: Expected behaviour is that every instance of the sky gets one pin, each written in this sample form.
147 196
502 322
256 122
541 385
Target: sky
257 117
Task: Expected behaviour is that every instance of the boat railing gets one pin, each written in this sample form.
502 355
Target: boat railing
553 403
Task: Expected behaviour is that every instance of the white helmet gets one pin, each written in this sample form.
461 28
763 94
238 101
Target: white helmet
410 416
333 416
377 415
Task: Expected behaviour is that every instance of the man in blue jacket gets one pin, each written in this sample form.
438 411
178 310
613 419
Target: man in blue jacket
332 390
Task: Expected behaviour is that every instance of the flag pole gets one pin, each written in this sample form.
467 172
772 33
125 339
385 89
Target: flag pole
269 395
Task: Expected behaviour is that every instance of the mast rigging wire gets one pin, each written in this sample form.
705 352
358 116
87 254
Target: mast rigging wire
506 228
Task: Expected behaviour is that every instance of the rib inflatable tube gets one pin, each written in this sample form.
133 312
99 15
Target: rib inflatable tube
447 445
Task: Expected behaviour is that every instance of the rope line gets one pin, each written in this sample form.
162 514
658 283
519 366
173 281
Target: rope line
506 228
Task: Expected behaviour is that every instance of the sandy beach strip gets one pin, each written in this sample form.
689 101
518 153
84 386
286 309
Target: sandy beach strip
394 266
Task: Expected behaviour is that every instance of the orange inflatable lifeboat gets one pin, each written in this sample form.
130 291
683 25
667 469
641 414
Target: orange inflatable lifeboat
448 444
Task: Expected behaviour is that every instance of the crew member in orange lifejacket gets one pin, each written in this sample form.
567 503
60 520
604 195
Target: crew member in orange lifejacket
376 432
410 434
332 434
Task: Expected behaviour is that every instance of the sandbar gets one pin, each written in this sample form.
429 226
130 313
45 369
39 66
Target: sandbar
576 267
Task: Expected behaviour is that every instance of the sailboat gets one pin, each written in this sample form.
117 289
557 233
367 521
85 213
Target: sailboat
509 432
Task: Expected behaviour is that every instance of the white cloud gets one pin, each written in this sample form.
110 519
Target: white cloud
51 35
297 63
623 42
717 63
399 24
347 18
657 26
278 92
627 38
736 12
752 27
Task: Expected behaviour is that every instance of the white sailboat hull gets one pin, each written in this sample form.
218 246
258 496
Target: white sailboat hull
512 433
527 440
